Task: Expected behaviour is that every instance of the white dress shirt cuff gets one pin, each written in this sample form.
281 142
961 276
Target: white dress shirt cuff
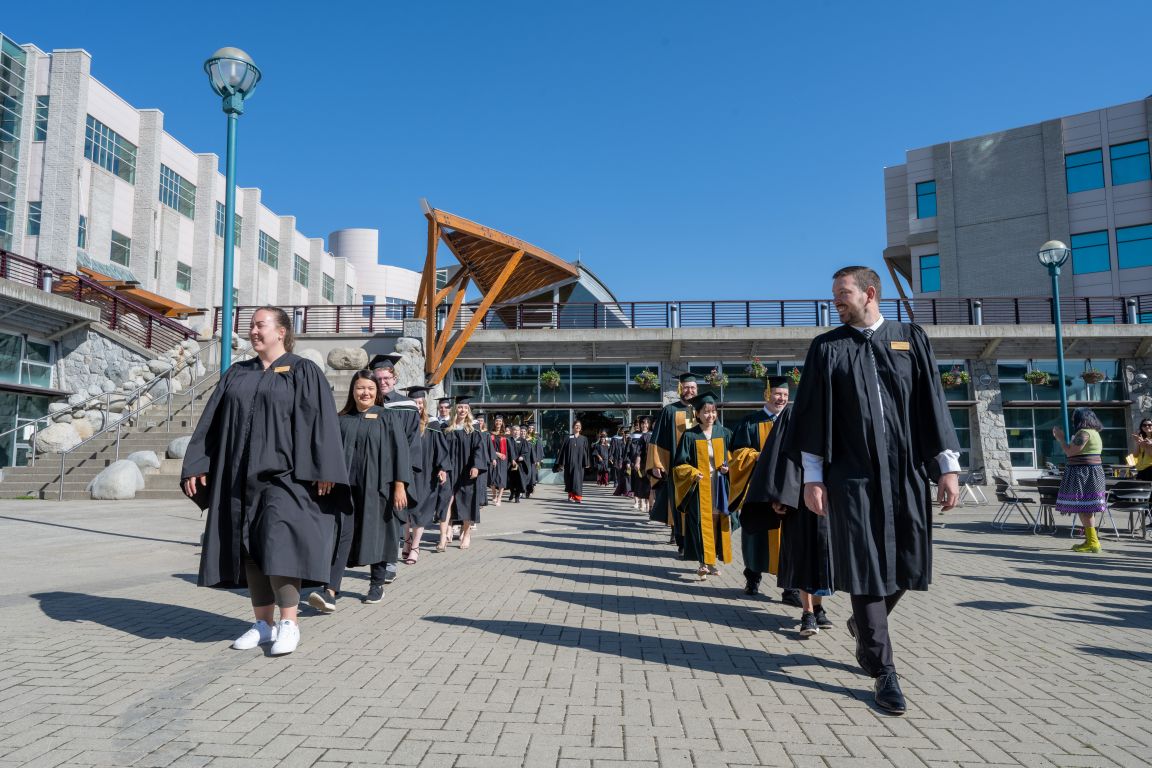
813 467
949 461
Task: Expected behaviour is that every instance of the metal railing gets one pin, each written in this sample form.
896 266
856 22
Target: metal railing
128 416
768 313
142 325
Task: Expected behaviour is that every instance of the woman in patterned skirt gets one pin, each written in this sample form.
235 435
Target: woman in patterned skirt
1082 489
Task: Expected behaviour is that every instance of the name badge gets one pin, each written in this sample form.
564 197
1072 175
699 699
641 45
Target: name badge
371 415
903 346
282 369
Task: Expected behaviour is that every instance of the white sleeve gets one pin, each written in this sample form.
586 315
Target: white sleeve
813 467
949 461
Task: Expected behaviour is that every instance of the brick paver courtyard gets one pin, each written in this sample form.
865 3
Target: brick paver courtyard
565 636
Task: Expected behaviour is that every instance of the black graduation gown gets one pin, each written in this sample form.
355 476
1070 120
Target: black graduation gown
266 436
465 453
405 413
602 456
621 447
428 497
519 454
673 421
877 453
532 458
805 558
638 454
376 454
485 456
498 467
574 457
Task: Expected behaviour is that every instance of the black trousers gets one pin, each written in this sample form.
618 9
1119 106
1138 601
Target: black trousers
346 524
873 643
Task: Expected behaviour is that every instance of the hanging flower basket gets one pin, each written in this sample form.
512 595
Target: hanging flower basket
550 379
1093 376
793 376
647 380
716 378
756 369
1038 378
957 377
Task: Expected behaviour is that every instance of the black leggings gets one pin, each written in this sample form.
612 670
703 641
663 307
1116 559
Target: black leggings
266 590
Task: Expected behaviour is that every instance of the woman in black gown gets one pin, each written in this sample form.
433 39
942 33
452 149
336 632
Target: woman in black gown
263 460
430 488
572 459
467 457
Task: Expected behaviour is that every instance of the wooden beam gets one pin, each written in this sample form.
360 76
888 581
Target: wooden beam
449 322
445 364
430 287
447 289
461 224
900 289
428 276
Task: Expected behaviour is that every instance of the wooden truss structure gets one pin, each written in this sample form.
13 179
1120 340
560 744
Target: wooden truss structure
503 269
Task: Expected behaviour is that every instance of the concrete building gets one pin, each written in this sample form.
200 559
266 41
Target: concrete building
92 183
966 217
376 283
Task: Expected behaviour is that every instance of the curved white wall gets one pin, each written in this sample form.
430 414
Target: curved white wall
361 247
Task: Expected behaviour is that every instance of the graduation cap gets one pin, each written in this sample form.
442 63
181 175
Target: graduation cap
415 392
384 361
444 401
462 399
687 378
776 382
703 399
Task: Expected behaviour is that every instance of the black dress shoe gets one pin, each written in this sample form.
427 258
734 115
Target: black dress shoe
889 697
791 597
751 588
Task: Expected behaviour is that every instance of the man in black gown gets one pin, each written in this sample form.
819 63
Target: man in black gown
671 424
407 418
873 424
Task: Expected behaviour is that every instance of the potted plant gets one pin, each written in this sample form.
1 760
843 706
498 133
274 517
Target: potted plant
956 377
550 379
647 380
1038 378
756 369
793 376
1093 376
716 378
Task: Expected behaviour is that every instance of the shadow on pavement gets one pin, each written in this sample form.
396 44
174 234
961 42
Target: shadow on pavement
149 621
99 532
676 652
1122 654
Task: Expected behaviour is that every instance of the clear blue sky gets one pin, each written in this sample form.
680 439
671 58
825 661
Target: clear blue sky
683 149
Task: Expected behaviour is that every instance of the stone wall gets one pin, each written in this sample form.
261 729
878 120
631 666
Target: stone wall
989 438
92 362
1137 374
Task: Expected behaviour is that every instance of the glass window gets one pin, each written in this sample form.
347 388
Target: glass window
962 422
109 150
562 393
40 127
34 219
177 192
599 383
183 276
1134 246
394 308
468 380
959 390
1129 162
1084 170
11 352
300 269
82 232
369 298
327 286
930 273
269 251
349 295
237 221
121 249
1090 253
511 383
441 278
925 199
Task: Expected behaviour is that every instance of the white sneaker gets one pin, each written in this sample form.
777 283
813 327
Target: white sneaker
287 638
261 633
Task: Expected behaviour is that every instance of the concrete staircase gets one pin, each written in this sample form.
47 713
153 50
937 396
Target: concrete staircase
150 433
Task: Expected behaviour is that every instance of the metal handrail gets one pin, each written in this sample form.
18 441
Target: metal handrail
128 415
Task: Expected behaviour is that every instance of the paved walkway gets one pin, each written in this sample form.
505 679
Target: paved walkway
565 636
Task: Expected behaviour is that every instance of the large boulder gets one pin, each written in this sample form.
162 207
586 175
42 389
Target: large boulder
313 355
56 438
82 427
57 407
159 366
97 420
347 359
148 461
77 398
119 480
178 447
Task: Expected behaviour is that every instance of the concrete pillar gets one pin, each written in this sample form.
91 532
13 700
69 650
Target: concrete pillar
63 155
206 248
146 223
